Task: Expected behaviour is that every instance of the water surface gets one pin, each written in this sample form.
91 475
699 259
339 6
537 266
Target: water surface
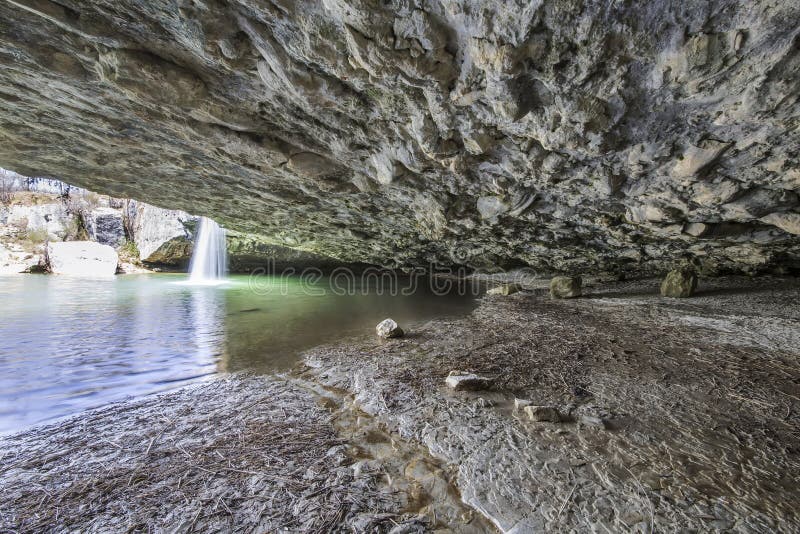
69 344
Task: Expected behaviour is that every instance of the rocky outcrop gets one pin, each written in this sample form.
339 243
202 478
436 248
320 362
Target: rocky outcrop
564 135
50 220
248 252
162 236
105 226
82 258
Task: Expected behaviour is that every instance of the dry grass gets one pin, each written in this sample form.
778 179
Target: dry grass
246 454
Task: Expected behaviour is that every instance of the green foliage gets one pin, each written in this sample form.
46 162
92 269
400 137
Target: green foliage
37 236
128 251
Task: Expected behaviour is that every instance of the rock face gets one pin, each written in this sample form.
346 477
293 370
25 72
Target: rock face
548 414
564 135
679 283
246 253
105 225
82 258
162 236
51 220
504 289
565 287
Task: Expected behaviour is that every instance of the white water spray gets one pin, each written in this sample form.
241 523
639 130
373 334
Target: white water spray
210 256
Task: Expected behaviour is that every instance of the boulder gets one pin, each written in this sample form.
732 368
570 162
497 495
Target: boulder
543 413
82 258
463 381
162 236
565 287
504 289
388 329
521 404
105 226
679 283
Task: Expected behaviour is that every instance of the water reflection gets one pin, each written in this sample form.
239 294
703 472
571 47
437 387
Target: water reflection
68 345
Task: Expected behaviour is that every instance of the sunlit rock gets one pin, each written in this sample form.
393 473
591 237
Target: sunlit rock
105 225
82 258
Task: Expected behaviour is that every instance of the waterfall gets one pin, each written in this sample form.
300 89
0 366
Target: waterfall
210 256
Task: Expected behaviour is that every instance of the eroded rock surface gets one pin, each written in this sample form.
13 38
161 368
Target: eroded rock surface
565 135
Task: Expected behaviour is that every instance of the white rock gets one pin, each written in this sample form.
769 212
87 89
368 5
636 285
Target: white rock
161 235
82 258
51 218
461 381
388 329
520 404
504 289
543 413
788 222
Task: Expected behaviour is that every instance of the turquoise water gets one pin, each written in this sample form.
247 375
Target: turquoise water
68 344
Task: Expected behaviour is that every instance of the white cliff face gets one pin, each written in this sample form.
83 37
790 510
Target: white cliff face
161 236
565 135
82 258
52 219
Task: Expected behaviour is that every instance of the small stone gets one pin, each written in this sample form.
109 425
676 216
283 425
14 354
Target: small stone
543 413
461 381
388 329
504 289
679 283
521 404
592 420
565 287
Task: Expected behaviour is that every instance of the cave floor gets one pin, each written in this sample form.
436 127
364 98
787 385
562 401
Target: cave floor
678 415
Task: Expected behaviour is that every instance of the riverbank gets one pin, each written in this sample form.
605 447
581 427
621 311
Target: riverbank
677 414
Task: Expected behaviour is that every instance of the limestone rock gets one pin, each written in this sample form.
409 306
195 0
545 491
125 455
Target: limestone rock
548 414
462 381
679 283
389 134
520 404
82 258
504 289
50 219
388 329
788 222
162 236
565 287
105 225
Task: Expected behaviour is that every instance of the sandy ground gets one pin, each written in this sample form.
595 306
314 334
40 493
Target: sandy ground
678 415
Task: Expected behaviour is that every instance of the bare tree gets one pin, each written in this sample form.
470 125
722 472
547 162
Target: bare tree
8 180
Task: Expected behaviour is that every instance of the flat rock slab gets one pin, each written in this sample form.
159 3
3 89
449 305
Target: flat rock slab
82 258
467 382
